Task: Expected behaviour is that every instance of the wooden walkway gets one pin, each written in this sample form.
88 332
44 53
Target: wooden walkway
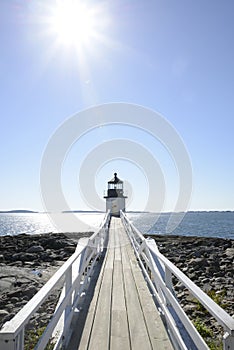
119 311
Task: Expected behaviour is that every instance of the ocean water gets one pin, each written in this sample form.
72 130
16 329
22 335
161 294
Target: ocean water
205 224
35 223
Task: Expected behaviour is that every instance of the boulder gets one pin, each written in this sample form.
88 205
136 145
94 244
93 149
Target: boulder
230 252
15 293
30 291
198 262
23 256
35 249
3 313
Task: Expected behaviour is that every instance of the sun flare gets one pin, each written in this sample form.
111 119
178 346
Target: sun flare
74 23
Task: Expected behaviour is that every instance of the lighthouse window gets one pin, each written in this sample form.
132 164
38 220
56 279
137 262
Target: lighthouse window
112 186
115 186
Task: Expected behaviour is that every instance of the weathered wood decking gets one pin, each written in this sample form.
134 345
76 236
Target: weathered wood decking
119 311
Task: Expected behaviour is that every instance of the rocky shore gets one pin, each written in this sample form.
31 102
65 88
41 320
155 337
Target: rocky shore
208 262
28 261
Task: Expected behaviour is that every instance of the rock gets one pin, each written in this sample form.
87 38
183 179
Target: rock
204 280
7 318
181 295
3 313
29 292
198 261
54 244
29 264
190 308
230 252
185 269
210 270
229 274
16 256
197 254
69 249
35 249
219 279
192 276
206 287
179 286
28 257
45 255
14 300
15 293
9 307
23 256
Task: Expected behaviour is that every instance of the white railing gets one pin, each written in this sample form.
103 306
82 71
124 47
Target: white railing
75 274
158 271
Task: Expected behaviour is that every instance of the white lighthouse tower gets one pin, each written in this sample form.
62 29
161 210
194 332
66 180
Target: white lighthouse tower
115 199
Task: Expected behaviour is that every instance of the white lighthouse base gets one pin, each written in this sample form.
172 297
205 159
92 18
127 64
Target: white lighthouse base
115 204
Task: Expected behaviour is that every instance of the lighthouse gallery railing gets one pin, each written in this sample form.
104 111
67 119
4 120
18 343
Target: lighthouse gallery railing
158 271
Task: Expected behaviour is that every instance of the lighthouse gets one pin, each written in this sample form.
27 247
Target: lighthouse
115 199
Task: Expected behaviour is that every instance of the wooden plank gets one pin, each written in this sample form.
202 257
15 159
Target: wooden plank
82 331
100 335
123 237
101 326
138 332
119 323
119 334
117 244
158 336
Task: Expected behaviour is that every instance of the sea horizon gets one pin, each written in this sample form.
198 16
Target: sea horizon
22 211
191 223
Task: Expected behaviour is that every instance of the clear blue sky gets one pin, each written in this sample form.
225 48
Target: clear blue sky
175 57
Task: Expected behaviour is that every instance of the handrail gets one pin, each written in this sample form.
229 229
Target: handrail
85 256
161 270
219 314
21 318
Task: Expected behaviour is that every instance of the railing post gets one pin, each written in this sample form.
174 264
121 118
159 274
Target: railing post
8 344
168 283
228 341
20 340
168 279
101 239
68 285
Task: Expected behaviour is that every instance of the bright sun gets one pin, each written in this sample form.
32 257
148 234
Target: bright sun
74 23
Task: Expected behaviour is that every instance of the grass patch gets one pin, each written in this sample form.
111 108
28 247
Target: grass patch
217 298
206 332
33 337
208 335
